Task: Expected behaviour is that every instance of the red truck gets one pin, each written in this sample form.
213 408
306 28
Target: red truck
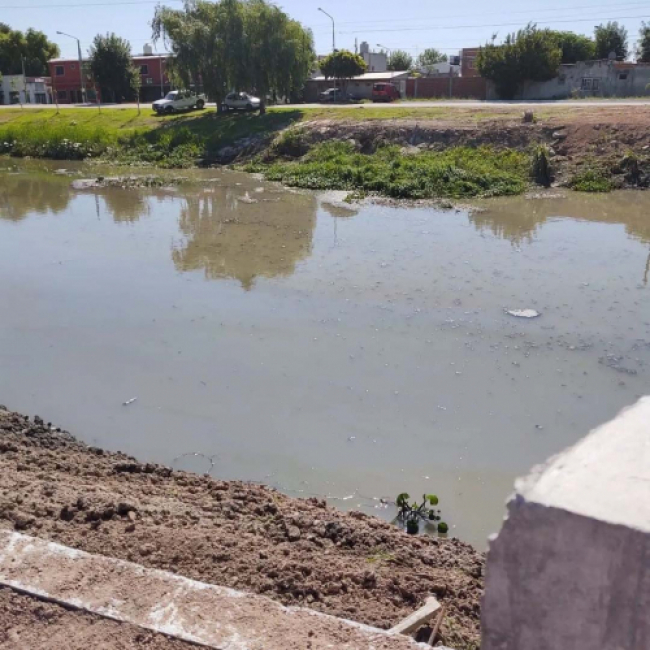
385 92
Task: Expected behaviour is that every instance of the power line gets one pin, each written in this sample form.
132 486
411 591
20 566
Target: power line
492 13
89 4
518 24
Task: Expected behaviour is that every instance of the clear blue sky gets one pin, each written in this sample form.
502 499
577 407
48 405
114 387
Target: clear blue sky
408 24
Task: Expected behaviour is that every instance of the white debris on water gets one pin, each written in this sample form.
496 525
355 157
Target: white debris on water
523 313
130 401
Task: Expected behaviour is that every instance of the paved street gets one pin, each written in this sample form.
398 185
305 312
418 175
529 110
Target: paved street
605 103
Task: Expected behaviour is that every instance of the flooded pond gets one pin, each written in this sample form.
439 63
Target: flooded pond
356 353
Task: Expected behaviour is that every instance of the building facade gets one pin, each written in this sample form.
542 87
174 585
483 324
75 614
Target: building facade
589 79
376 61
18 89
468 58
358 87
67 79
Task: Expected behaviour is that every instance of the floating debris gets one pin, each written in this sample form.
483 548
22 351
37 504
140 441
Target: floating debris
523 313
130 401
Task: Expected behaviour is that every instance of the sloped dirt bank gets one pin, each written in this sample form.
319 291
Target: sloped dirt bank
234 534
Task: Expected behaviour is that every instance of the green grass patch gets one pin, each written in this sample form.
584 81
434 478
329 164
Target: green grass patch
591 180
457 172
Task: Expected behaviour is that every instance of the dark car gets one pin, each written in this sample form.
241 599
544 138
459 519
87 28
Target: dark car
332 95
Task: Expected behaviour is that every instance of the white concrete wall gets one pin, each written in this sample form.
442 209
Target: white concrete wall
568 83
570 569
16 83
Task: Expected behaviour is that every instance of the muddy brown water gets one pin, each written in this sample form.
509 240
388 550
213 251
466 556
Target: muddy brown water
271 335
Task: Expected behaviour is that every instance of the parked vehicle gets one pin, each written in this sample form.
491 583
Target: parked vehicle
242 102
385 93
179 100
332 95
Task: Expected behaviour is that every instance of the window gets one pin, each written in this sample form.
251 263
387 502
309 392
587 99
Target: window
623 76
59 71
62 94
144 69
471 63
149 81
591 84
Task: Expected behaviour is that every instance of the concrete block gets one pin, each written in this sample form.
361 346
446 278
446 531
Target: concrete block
570 569
207 615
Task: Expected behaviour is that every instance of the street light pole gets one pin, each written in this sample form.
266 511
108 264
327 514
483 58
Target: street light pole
333 29
81 72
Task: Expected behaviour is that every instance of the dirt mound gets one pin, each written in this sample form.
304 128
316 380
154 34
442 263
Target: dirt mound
239 535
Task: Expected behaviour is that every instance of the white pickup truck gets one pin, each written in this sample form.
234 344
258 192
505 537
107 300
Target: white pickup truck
179 100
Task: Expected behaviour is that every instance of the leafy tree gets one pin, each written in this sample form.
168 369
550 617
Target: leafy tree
643 48
400 60
611 37
529 55
342 65
31 45
431 56
575 47
110 64
236 45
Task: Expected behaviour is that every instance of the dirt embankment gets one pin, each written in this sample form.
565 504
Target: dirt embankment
578 138
239 535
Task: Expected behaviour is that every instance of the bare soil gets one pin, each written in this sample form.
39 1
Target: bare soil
30 624
245 536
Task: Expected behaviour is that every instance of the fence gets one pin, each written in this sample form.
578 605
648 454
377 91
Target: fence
450 87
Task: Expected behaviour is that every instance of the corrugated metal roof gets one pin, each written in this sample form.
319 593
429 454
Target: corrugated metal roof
371 76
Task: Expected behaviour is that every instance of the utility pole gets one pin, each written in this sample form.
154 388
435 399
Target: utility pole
22 60
81 72
333 29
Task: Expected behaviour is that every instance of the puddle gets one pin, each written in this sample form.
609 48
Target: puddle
350 351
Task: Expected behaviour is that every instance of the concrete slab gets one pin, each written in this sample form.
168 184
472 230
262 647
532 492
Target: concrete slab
208 615
571 565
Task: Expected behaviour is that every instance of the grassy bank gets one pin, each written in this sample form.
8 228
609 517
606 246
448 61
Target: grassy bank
456 172
401 152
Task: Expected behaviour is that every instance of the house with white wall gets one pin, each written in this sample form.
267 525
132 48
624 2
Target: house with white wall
18 89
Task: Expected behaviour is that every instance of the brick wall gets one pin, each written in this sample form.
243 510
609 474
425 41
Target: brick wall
452 88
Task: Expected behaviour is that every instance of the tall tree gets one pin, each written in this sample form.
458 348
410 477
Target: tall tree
110 64
135 84
32 46
575 47
529 55
611 37
431 56
342 65
236 45
643 48
400 60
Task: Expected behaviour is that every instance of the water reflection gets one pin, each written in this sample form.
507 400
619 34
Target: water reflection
22 194
231 235
519 220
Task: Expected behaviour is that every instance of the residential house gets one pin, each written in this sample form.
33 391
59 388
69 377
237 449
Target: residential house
604 78
376 61
66 80
17 89
359 87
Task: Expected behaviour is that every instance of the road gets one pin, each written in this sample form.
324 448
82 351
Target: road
605 103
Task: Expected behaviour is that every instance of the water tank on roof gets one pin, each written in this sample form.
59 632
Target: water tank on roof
365 48
147 49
